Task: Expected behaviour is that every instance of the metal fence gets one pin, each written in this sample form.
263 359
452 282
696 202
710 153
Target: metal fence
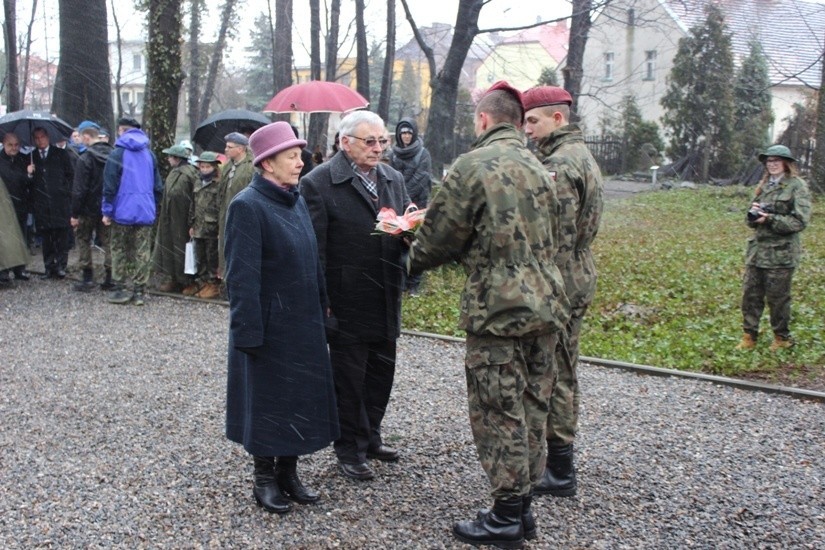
608 152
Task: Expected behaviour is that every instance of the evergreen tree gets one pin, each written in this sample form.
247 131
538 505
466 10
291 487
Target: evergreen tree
548 77
753 102
699 107
259 83
641 137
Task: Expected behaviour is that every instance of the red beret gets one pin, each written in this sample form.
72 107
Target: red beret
503 85
545 95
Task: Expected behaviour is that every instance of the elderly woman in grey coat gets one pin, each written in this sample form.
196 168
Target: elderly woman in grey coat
280 392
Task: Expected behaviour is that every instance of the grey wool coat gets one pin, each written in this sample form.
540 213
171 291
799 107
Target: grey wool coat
280 393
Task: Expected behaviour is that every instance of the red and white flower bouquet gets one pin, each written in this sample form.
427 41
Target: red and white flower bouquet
390 223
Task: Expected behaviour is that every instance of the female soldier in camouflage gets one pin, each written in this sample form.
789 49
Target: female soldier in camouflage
780 210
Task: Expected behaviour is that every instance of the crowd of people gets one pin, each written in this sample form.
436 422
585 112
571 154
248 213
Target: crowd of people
315 295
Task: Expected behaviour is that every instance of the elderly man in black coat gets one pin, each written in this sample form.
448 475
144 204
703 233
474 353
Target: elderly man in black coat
14 174
53 174
363 277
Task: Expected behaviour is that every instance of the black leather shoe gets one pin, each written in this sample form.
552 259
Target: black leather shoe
46 275
387 454
21 275
60 274
361 472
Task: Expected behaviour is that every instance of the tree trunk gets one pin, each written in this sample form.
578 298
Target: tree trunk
83 88
165 75
282 50
10 34
440 138
389 62
119 70
317 122
194 65
217 57
25 78
818 165
362 54
579 30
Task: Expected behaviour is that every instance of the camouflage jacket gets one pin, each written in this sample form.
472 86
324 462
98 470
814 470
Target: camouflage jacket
497 214
579 187
776 243
231 186
203 215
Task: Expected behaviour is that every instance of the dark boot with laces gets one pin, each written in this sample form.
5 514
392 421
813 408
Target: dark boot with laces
265 489
502 527
286 472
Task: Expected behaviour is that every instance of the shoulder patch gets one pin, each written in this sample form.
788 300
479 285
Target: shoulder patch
553 174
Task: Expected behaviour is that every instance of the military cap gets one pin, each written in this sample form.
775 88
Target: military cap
177 151
208 156
542 96
87 124
776 151
504 86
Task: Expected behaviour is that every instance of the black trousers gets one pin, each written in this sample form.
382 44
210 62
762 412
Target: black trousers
363 374
55 248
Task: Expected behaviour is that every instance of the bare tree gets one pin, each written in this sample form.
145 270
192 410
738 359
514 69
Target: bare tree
389 62
579 29
165 74
119 70
27 57
82 88
194 75
283 44
228 17
317 121
12 81
362 54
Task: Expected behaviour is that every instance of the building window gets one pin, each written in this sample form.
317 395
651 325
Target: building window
608 66
139 101
137 62
125 98
650 65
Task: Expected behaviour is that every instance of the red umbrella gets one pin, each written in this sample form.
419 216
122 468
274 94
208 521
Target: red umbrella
316 96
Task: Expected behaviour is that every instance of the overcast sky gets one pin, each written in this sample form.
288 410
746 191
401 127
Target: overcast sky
496 13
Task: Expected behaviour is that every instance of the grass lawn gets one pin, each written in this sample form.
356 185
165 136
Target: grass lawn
670 269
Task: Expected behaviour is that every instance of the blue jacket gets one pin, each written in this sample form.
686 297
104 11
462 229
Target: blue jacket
132 187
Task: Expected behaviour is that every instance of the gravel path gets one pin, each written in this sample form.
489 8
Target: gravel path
112 436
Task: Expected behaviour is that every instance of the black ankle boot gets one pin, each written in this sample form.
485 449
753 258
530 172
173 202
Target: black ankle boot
266 491
502 527
88 282
559 479
286 472
528 522
108 284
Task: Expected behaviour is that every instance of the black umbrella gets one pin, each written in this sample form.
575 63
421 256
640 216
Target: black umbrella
209 134
22 123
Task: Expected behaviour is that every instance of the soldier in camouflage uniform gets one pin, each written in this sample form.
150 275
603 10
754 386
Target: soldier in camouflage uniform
497 213
578 180
203 225
780 211
236 176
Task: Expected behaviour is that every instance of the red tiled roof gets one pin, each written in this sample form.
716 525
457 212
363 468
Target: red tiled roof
553 38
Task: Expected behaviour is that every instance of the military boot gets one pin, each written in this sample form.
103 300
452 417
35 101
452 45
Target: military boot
502 527
559 478
265 489
137 297
528 522
747 342
119 296
88 282
286 473
108 283
781 342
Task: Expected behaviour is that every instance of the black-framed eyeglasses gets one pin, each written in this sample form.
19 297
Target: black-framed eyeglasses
371 141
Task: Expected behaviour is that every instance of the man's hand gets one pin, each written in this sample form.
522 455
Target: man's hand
75 222
107 220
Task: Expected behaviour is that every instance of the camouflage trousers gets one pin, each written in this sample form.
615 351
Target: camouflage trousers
760 285
509 384
206 251
131 253
87 228
564 405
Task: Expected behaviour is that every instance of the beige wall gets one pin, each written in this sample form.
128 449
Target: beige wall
519 64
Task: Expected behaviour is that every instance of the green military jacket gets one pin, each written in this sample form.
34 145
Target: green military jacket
776 243
231 186
497 213
203 216
579 187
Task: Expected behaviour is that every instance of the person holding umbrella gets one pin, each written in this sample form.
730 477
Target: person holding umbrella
52 174
17 181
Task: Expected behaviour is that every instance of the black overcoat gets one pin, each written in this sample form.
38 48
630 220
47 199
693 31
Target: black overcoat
52 189
280 393
363 270
14 175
